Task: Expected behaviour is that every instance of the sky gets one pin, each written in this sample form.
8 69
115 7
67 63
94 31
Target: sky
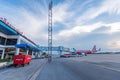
79 24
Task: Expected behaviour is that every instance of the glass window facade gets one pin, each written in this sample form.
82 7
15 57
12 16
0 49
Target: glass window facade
11 41
5 41
2 40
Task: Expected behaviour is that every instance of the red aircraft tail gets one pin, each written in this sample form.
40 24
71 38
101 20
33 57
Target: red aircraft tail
94 49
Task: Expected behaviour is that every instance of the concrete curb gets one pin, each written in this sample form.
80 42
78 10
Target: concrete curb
5 64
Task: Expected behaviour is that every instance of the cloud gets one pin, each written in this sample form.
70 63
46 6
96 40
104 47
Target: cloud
115 27
114 44
102 29
74 17
99 27
92 13
61 12
107 6
79 29
85 36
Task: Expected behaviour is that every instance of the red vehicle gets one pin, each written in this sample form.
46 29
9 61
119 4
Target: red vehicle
83 51
65 55
22 60
80 52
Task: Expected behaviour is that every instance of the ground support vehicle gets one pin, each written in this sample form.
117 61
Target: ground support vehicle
22 60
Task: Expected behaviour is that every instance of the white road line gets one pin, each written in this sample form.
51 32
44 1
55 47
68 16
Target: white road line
37 72
118 70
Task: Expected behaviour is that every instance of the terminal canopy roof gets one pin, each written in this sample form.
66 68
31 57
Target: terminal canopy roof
26 46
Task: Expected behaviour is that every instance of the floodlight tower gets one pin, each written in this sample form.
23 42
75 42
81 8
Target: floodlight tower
50 31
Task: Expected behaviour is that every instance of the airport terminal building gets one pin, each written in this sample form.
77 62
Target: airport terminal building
13 42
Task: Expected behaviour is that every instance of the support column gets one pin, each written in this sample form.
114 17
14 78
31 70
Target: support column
39 54
60 52
18 49
27 52
36 54
32 54
2 57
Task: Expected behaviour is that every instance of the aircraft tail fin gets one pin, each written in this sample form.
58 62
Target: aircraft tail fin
94 49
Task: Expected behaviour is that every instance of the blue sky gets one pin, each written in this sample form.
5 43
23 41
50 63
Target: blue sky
76 23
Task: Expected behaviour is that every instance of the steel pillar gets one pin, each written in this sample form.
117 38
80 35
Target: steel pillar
50 31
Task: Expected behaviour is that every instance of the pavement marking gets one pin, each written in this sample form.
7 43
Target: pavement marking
118 70
114 69
35 74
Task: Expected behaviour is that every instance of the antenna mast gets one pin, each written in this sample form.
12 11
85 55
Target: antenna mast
50 31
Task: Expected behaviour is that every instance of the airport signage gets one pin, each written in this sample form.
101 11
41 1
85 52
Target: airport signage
6 22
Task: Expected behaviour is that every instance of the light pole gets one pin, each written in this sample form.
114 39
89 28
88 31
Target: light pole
50 31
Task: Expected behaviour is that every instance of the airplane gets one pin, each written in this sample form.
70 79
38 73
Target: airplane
80 52
94 50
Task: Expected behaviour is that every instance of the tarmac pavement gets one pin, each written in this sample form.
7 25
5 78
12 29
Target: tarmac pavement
91 67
